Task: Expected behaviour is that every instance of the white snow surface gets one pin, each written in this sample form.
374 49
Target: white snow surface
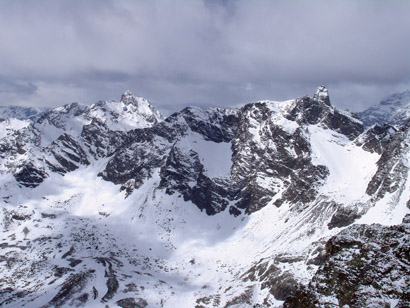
351 168
189 255
174 253
8 126
121 116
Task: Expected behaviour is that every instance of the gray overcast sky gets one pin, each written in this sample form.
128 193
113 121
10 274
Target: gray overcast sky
203 53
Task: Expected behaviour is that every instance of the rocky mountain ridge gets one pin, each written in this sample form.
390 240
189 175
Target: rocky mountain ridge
115 205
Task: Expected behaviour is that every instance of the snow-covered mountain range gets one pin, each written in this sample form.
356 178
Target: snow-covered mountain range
268 205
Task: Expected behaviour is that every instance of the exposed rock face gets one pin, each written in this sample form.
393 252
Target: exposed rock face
377 138
343 217
268 159
99 140
286 172
311 111
64 138
392 167
365 266
322 95
270 152
68 155
29 175
281 285
73 285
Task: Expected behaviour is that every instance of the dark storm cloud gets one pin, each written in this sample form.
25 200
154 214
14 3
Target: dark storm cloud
207 53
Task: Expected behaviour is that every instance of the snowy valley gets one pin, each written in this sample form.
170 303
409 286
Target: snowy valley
273 204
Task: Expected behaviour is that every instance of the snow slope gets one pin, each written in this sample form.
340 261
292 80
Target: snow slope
94 242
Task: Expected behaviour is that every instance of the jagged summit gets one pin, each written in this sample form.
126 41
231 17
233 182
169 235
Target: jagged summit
322 95
128 98
130 112
144 107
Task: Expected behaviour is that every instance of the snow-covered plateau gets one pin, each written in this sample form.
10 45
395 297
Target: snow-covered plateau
273 204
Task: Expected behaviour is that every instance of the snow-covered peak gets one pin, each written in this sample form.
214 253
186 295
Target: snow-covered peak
322 95
129 113
143 105
394 110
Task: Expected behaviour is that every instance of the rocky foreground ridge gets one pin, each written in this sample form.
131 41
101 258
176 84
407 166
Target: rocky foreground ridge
265 205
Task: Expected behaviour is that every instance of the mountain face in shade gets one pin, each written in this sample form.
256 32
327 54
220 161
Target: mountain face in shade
393 110
114 205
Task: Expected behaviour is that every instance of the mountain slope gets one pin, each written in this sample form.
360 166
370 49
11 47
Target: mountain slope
393 110
21 113
54 142
207 208
365 266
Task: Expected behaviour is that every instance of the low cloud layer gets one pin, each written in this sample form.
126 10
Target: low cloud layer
204 53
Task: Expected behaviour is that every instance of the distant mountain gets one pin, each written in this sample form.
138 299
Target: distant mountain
393 110
269 204
20 113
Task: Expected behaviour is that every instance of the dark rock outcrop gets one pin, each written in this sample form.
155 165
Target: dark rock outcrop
392 169
365 266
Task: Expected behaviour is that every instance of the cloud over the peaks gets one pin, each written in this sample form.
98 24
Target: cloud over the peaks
206 53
